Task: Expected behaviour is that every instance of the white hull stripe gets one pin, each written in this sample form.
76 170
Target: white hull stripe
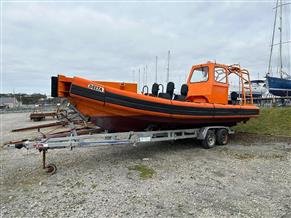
280 89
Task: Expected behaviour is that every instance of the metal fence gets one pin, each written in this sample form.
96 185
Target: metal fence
28 108
270 102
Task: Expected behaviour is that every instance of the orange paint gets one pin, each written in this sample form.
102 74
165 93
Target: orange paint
207 98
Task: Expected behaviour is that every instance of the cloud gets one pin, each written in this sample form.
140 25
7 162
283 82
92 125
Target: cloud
106 41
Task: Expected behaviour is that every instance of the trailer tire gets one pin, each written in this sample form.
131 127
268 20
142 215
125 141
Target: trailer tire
51 169
209 140
222 137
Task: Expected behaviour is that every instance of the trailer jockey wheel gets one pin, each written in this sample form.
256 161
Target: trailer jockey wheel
51 169
222 137
209 140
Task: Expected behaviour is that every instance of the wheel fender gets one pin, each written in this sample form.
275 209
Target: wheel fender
203 131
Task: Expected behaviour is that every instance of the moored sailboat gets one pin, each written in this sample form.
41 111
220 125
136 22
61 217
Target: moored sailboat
279 84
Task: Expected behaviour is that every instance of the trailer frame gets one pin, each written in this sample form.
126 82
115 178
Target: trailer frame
207 135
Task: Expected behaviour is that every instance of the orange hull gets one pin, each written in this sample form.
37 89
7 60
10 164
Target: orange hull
118 107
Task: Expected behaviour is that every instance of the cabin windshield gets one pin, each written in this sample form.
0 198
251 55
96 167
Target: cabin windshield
200 75
220 75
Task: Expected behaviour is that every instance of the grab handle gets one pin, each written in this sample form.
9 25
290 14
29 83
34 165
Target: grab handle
162 87
143 89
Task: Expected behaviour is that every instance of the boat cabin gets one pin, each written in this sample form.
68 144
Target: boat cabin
208 83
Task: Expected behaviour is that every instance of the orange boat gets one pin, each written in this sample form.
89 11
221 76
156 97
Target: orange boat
203 101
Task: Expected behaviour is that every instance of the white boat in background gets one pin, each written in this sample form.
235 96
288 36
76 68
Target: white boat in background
259 89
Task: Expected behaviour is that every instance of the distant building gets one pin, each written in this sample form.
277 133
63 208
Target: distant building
8 102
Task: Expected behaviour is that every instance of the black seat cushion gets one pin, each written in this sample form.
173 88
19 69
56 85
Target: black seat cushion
170 88
184 90
179 97
169 92
233 96
166 96
155 89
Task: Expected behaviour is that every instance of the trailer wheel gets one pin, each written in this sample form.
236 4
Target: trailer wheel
222 137
209 140
51 169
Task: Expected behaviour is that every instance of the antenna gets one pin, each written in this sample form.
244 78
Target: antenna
168 68
156 77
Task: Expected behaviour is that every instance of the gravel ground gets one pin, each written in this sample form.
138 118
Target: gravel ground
250 177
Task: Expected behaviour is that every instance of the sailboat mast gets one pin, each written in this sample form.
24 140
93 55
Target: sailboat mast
146 74
156 77
280 28
168 68
273 36
139 77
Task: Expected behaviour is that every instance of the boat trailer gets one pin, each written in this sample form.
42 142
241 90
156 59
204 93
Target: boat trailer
209 136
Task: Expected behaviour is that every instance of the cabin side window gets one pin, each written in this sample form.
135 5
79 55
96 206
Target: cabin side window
199 75
220 75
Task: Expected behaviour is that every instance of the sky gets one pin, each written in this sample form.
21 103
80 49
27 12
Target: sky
112 40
